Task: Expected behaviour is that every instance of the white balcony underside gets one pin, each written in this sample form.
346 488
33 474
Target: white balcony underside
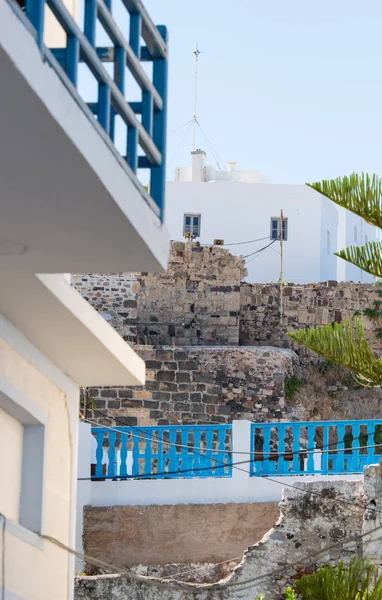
68 204
55 318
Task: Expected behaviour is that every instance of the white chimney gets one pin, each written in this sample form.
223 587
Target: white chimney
231 166
198 157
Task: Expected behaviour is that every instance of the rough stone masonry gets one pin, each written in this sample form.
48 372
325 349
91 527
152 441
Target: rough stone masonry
200 329
320 523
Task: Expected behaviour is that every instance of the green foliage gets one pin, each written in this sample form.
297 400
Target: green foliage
358 581
259 597
290 594
90 402
372 313
361 194
292 385
367 257
344 344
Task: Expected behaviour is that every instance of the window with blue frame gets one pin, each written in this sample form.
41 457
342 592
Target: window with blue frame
275 228
191 225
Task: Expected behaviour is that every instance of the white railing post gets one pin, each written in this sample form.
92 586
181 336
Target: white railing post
241 442
85 443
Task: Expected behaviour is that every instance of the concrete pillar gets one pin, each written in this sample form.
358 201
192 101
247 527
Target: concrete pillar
198 158
241 442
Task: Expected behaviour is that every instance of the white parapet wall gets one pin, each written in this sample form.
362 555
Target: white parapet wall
239 488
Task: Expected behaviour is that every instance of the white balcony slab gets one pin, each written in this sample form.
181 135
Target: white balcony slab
68 201
55 318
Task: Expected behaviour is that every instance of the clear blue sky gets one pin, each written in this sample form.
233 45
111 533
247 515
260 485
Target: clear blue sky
290 87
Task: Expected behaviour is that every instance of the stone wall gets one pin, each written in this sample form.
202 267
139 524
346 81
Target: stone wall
320 524
196 302
114 296
183 533
200 302
303 306
200 385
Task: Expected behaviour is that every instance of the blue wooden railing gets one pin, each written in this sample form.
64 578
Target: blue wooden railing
149 132
163 452
320 447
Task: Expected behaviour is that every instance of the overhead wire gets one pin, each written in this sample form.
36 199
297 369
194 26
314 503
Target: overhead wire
260 249
164 582
223 465
180 145
228 451
248 242
180 126
214 153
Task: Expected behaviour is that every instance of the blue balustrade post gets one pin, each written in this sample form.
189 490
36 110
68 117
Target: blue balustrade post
123 452
72 56
296 449
209 454
341 447
149 440
135 34
311 447
196 455
266 449
104 106
355 443
132 148
119 78
35 11
370 442
111 468
99 435
136 454
147 112
281 449
90 20
158 173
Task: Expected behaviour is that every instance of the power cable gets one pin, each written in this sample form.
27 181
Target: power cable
283 569
180 145
248 242
235 466
229 451
214 153
180 127
260 249
159 582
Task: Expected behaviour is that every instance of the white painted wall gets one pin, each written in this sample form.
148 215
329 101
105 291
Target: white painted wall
240 211
238 488
237 206
35 569
11 447
354 231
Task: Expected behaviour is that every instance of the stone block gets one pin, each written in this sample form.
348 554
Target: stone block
109 393
202 377
114 404
183 377
166 375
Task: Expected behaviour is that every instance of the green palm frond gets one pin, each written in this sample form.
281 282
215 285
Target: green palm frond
361 194
367 257
344 344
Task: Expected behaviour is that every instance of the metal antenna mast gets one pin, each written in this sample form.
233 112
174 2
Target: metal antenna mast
194 119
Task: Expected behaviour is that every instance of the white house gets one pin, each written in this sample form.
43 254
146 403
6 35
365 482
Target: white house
69 203
243 210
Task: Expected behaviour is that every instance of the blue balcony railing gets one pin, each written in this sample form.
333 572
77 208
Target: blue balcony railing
146 119
320 447
163 452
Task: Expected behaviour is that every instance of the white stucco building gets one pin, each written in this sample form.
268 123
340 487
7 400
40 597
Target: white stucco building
238 207
69 203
